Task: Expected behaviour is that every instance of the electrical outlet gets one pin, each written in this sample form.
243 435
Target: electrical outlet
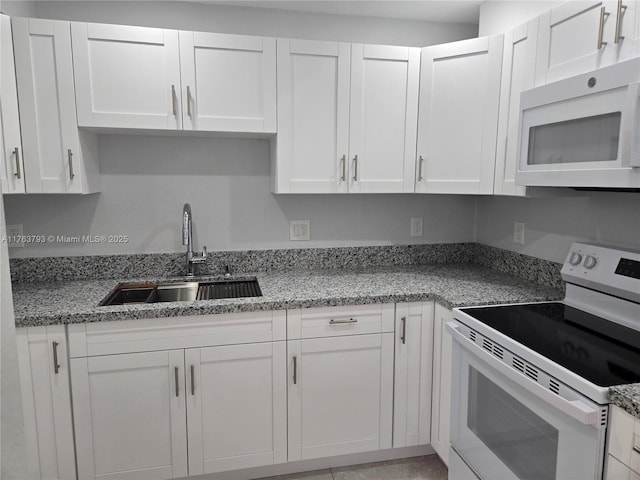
14 232
518 233
299 230
416 227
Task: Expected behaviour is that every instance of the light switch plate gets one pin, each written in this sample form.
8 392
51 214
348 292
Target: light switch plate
416 227
518 233
299 230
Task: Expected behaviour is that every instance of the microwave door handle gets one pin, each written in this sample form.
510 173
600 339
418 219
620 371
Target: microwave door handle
576 409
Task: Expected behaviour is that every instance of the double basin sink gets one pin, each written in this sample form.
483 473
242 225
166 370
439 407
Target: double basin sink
184 291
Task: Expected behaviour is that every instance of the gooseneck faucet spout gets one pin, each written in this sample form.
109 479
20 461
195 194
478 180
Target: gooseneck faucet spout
193 258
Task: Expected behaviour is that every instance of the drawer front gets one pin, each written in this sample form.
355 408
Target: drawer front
130 336
339 321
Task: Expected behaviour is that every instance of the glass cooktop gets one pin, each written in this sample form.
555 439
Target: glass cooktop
602 352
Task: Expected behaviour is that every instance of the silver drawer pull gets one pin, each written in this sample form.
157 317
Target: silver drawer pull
174 100
16 152
621 9
70 156
343 161
421 161
175 370
342 322
403 337
56 365
193 380
188 101
295 370
355 168
603 14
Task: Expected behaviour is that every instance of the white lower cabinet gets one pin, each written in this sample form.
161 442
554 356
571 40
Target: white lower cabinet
413 371
623 445
340 385
441 395
130 415
46 402
236 406
170 413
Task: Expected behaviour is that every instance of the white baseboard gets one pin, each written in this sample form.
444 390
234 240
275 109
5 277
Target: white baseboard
319 463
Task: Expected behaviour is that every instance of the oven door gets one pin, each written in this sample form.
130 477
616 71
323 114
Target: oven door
504 428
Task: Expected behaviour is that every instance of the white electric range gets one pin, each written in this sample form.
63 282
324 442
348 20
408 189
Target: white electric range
530 381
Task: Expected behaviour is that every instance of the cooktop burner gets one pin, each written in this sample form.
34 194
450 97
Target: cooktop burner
602 352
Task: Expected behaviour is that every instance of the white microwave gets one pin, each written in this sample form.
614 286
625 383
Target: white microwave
583 131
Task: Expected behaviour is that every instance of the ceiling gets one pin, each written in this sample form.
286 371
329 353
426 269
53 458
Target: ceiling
449 11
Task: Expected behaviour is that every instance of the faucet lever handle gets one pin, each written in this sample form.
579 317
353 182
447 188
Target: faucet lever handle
204 251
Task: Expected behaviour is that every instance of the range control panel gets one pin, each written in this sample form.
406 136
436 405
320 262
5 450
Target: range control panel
609 270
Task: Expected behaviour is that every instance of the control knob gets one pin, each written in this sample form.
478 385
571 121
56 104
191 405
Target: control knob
575 258
590 262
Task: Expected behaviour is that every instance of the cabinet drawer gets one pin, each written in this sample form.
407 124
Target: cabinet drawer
108 338
624 438
338 321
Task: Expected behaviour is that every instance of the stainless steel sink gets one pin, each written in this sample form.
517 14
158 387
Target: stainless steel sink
187 291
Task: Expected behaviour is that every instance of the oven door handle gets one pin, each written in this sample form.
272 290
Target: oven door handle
576 409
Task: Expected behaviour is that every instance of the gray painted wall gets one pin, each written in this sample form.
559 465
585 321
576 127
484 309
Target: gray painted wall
552 224
147 179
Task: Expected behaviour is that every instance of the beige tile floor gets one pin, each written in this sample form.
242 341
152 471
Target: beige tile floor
427 467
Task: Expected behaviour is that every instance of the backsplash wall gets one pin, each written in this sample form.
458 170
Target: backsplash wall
147 179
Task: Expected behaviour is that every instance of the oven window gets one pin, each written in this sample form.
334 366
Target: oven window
591 139
525 443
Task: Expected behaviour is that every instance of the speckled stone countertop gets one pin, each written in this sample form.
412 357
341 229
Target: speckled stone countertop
452 285
627 397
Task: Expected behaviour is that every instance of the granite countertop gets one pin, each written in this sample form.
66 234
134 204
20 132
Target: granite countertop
453 285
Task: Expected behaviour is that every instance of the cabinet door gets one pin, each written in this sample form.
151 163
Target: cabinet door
441 398
413 371
126 77
383 118
340 395
54 156
518 74
46 401
130 415
11 166
228 82
313 117
236 406
580 36
458 116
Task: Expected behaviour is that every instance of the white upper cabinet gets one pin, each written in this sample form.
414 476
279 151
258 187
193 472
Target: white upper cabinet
384 118
346 118
228 82
152 78
458 116
581 36
518 74
57 158
126 77
313 117
11 165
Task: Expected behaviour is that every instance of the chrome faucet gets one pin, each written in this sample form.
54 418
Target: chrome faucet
193 258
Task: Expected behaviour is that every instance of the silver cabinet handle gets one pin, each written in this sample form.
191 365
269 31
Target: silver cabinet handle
295 370
420 162
355 168
70 156
16 153
174 100
403 336
343 160
175 371
193 380
342 322
621 9
188 101
56 365
603 15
